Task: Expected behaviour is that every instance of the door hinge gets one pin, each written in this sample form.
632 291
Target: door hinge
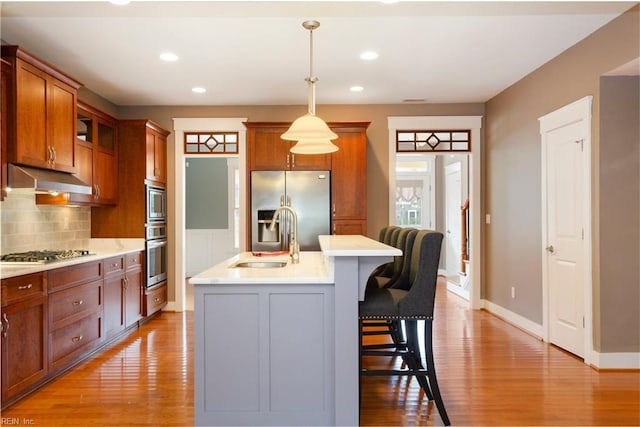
581 142
583 234
583 322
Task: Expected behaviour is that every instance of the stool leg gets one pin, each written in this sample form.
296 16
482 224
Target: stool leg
415 361
431 371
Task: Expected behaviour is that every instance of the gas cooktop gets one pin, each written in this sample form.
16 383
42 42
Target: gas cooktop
42 257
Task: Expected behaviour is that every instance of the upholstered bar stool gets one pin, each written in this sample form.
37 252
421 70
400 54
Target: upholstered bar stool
399 279
385 236
410 305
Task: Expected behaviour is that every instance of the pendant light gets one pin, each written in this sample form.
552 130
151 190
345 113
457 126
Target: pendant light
312 134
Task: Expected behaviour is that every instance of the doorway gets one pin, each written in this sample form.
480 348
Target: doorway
177 218
474 124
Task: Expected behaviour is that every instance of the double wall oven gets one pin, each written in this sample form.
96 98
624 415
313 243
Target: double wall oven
156 235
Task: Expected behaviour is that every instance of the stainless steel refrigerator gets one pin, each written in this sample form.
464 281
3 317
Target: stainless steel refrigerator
306 192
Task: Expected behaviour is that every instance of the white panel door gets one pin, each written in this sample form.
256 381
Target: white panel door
453 202
565 233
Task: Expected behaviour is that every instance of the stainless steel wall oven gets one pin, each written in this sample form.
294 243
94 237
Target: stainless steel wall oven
156 204
156 262
156 235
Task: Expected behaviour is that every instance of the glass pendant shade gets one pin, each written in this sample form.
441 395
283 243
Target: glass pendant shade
314 146
308 127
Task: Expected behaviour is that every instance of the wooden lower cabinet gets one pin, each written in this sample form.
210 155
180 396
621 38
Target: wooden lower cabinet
346 226
155 298
52 320
122 292
24 334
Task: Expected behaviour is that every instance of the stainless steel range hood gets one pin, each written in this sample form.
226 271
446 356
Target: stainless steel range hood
44 180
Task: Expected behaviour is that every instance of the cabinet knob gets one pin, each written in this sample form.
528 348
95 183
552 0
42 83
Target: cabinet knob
77 339
25 287
156 299
78 302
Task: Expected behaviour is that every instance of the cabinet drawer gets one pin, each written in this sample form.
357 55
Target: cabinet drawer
74 339
155 298
134 259
18 288
66 277
74 303
114 265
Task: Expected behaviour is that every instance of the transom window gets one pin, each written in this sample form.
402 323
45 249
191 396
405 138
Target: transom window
420 141
211 142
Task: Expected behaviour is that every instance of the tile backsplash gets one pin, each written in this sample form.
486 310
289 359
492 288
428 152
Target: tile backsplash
26 226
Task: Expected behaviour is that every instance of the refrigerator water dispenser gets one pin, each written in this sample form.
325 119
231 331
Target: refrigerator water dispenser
265 235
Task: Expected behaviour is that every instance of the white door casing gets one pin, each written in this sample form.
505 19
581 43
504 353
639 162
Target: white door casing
453 202
566 228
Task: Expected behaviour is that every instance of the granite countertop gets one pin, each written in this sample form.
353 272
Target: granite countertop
99 248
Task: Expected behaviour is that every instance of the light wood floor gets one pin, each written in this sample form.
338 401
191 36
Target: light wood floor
490 374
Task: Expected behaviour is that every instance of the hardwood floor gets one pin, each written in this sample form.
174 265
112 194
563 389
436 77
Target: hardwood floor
490 373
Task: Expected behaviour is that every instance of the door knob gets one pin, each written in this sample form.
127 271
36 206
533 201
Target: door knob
550 249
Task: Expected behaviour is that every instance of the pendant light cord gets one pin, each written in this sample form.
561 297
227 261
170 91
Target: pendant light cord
311 80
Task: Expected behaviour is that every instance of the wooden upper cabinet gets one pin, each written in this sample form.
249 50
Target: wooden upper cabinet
42 113
6 76
349 179
156 154
141 160
267 151
97 155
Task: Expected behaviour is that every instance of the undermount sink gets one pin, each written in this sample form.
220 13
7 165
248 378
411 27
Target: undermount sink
259 264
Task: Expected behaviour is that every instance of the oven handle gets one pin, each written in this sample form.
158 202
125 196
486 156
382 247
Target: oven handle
156 243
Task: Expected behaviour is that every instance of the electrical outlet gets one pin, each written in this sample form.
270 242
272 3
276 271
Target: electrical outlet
513 292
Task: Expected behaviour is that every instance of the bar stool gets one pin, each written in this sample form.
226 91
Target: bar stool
410 305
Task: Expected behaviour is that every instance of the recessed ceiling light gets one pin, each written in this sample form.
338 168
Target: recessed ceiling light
199 90
119 2
369 55
168 56
356 88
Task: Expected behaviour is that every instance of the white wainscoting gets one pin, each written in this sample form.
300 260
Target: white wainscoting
206 248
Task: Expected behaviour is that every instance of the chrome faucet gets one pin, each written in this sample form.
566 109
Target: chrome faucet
294 247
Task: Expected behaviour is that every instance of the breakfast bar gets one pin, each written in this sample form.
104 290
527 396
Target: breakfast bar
276 343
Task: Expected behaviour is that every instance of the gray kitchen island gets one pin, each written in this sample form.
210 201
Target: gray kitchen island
277 344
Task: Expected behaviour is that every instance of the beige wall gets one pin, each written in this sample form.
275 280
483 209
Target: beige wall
512 249
619 182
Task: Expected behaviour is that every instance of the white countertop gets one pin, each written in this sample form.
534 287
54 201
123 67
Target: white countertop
100 249
311 269
314 267
355 245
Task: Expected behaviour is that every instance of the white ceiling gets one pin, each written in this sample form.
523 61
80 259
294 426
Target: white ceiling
257 53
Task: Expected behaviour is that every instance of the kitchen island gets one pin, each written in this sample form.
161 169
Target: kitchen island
279 346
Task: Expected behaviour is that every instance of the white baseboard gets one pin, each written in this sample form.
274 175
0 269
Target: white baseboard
171 306
458 290
615 360
598 360
513 318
